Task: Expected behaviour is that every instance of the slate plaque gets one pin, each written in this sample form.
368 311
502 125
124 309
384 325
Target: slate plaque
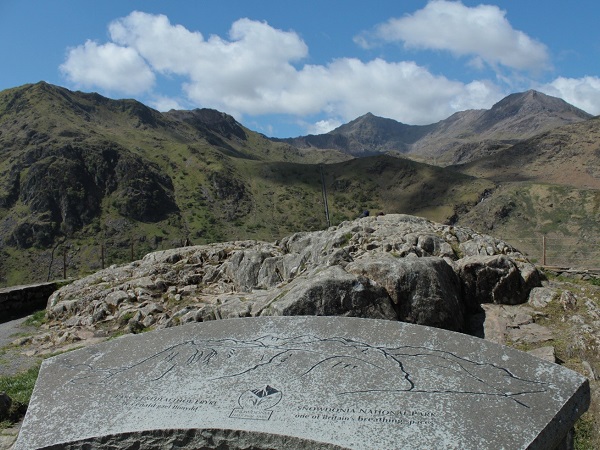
302 382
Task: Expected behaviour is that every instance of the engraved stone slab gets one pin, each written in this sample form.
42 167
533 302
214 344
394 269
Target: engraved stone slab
302 382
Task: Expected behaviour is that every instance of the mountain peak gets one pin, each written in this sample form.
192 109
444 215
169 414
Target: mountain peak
525 114
532 101
367 120
459 137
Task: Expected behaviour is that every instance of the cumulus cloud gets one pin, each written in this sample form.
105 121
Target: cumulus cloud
323 126
583 93
258 70
482 32
163 103
109 67
168 48
243 74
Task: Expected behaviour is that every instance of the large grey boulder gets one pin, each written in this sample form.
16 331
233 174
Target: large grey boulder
494 279
425 291
332 292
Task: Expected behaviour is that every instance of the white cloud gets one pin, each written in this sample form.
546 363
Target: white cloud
323 126
162 103
583 93
168 48
477 95
243 74
482 32
109 67
403 91
258 71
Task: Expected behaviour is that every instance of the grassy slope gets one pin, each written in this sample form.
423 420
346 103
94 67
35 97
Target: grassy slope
225 188
568 155
549 186
522 213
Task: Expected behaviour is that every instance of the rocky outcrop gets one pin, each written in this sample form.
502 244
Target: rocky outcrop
425 291
394 267
64 187
210 120
496 279
331 292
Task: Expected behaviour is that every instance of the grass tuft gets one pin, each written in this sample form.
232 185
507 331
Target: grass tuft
19 388
37 319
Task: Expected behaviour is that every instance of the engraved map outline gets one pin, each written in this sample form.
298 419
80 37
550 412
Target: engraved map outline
401 369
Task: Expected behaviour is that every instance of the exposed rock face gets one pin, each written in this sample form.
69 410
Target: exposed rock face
64 188
395 267
333 292
496 279
210 120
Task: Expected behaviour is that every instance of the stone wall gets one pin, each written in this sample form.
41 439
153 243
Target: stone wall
19 301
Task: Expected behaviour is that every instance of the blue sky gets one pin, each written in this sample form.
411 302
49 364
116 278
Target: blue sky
293 68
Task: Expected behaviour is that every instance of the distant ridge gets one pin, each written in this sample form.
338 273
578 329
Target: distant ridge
462 137
567 155
366 135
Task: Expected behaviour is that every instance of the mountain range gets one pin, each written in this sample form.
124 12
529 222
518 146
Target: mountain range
462 137
101 181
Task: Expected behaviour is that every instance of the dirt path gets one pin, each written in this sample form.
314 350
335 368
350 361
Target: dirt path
11 359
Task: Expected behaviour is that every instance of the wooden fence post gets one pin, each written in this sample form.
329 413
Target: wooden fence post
543 250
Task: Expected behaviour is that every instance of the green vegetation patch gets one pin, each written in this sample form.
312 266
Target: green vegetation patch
574 346
584 433
37 319
19 388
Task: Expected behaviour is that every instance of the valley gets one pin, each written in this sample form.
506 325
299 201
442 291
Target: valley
86 181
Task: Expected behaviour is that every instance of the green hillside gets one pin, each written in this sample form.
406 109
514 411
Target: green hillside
86 181
533 216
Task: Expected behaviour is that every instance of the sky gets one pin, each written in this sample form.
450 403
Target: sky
287 69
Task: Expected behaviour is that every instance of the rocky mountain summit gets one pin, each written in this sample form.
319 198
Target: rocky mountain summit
393 267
